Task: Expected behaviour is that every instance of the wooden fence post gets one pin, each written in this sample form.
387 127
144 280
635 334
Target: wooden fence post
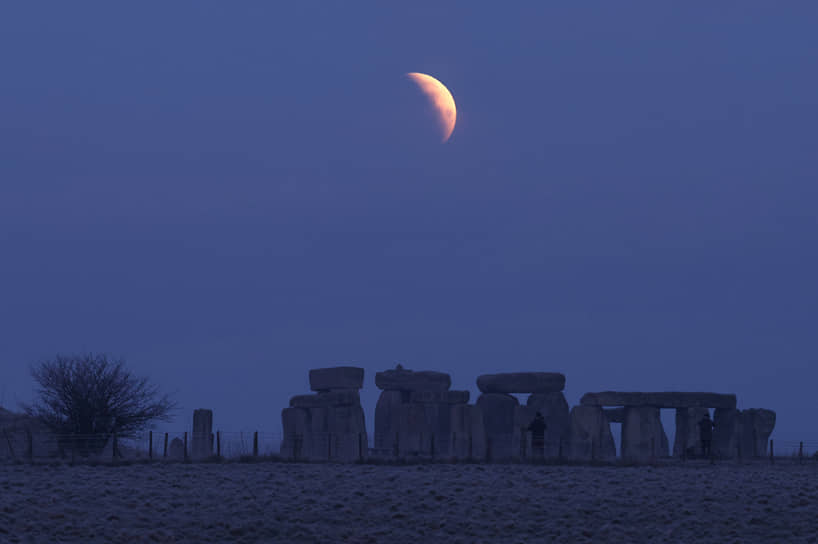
218 443
185 454
255 444
772 454
165 449
800 452
150 445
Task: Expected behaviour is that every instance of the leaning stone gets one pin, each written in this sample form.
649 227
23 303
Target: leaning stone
521 382
341 397
643 436
499 411
439 397
176 450
668 399
468 439
589 435
337 377
400 379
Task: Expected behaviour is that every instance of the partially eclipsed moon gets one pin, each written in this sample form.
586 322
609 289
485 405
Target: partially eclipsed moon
441 99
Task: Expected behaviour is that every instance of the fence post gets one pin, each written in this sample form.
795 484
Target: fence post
772 455
255 444
113 448
185 454
800 452
471 444
218 443
30 437
360 448
165 449
150 445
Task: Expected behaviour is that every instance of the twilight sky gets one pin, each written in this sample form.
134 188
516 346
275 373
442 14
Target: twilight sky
230 194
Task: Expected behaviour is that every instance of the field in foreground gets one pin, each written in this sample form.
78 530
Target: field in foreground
283 502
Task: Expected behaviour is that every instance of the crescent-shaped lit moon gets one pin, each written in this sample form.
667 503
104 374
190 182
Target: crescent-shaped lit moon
441 99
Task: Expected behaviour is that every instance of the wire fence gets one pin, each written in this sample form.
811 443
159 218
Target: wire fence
25 445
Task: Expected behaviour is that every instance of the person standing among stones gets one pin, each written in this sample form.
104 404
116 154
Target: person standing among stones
706 426
537 430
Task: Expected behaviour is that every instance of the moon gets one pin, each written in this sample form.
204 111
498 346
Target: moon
441 99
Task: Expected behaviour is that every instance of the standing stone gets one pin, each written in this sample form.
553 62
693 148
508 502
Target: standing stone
328 426
756 426
468 432
387 420
499 411
202 439
643 437
297 440
176 450
414 437
589 435
337 377
726 433
347 433
413 414
687 440
554 409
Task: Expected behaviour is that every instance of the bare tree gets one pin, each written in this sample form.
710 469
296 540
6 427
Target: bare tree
92 397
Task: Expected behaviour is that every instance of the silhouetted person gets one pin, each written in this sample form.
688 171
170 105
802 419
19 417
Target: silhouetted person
706 426
537 429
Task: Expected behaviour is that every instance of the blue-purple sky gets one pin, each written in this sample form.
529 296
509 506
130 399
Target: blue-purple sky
229 194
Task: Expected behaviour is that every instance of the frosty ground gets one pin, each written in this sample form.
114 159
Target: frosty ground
468 503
